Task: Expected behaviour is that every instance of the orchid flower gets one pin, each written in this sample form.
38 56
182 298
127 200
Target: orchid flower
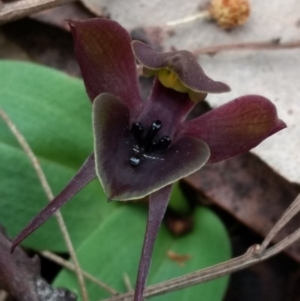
142 147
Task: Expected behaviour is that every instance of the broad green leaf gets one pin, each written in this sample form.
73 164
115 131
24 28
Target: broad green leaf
52 111
115 247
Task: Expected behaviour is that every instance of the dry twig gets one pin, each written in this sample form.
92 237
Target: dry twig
201 15
34 161
69 265
292 210
14 10
127 283
254 255
268 45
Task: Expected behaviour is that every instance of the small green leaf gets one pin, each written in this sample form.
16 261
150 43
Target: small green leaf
115 247
178 202
52 111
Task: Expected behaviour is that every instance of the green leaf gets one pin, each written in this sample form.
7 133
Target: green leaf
178 202
52 111
115 246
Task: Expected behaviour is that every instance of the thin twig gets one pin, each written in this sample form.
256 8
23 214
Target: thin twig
192 278
69 265
287 241
13 10
269 45
254 255
201 15
127 282
23 143
292 210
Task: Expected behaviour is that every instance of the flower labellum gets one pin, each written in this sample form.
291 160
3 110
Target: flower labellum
141 148
178 70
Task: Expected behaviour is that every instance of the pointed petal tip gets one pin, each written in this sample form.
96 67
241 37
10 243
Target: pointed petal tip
218 88
21 236
157 208
279 125
85 175
109 199
72 23
14 244
113 195
17 240
226 88
236 127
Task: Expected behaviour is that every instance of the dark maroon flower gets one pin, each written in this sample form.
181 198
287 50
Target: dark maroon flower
141 148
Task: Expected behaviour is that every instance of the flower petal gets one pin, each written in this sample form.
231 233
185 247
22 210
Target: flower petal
235 127
157 207
85 175
113 148
103 50
182 63
168 106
